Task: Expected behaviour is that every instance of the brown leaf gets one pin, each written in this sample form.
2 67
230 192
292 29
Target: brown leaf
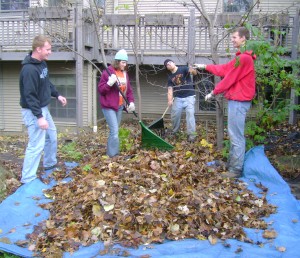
270 234
22 243
212 239
281 249
5 240
97 210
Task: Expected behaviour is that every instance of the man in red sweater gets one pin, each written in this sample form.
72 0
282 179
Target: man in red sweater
238 87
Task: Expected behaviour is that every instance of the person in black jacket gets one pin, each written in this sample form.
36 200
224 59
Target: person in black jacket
181 97
36 91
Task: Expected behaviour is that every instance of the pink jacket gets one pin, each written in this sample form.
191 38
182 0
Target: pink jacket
238 81
109 96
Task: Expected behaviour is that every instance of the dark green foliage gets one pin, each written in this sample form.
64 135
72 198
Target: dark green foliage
276 75
126 141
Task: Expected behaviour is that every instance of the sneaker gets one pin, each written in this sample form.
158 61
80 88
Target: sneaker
220 163
49 168
44 179
127 157
56 167
191 138
171 135
232 174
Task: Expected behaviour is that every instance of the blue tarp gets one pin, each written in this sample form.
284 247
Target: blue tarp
20 212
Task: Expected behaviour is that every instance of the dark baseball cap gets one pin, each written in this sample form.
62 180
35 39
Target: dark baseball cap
167 61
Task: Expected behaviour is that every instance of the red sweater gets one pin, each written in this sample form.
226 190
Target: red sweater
238 81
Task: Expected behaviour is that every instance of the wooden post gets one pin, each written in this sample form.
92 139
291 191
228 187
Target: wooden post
2 124
79 63
191 39
136 56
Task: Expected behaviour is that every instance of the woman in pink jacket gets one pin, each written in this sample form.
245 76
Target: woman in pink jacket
238 87
111 100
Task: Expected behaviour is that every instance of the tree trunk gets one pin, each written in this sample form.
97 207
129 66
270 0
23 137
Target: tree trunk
137 61
294 97
219 98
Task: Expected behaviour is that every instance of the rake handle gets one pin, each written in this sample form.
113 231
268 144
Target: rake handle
165 112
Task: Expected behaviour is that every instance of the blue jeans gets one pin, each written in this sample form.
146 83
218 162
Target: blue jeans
113 120
39 140
187 104
237 112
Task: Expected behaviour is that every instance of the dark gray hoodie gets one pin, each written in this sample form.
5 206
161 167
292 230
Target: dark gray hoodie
35 87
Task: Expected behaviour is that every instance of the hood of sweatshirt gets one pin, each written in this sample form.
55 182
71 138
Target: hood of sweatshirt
29 60
246 52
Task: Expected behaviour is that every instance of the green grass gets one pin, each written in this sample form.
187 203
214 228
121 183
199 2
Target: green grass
8 255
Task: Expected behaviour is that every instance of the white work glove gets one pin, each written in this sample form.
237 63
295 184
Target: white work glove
112 80
209 96
199 66
131 107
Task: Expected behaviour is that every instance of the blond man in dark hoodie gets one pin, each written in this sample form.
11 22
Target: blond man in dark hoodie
36 91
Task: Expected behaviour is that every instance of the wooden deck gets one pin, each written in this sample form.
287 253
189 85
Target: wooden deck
185 37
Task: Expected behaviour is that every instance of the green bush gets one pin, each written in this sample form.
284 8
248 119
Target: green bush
70 152
7 255
276 75
126 141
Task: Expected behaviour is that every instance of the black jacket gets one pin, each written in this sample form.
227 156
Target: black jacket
35 87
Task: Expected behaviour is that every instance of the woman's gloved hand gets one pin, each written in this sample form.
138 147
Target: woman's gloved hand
131 107
112 80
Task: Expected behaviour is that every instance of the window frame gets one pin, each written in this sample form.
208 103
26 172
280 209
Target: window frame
237 7
66 86
9 3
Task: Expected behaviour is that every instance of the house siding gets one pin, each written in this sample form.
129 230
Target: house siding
87 94
153 92
12 120
183 7
155 6
38 3
275 6
110 6
93 101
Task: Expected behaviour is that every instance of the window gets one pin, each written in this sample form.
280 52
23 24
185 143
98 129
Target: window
55 2
65 84
237 5
14 4
100 3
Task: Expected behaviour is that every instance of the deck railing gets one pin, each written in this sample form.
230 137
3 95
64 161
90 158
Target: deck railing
176 38
186 35
17 29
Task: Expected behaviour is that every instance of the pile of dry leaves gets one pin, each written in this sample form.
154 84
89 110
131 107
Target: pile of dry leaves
145 197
